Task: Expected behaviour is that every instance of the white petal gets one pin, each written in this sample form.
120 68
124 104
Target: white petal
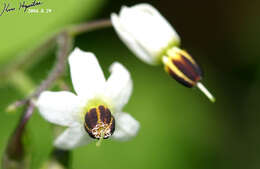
119 86
86 74
149 28
73 137
165 26
62 108
126 127
130 42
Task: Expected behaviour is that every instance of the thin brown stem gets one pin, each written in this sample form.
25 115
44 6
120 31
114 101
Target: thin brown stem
50 42
89 26
65 43
62 37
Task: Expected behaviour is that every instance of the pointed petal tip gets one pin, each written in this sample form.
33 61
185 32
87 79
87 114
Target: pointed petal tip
77 52
115 65
77 49
124 7
119 85
123 10
113 16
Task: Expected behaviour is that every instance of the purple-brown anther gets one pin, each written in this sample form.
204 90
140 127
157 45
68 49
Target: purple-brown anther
99 122
182 67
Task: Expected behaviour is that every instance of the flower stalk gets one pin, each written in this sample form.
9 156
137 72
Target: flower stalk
88 26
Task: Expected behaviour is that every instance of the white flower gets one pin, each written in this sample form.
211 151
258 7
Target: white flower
151 38
145 31
88 113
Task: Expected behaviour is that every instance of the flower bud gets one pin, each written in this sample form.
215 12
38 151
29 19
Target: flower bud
99 122
182 67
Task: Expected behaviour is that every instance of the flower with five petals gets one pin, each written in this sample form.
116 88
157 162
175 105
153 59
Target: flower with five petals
95 112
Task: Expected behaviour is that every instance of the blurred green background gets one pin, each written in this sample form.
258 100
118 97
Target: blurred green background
180 128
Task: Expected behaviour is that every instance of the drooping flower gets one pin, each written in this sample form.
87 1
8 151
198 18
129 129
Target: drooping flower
151 38
95 112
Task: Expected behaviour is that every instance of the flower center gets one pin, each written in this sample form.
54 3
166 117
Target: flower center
99 122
